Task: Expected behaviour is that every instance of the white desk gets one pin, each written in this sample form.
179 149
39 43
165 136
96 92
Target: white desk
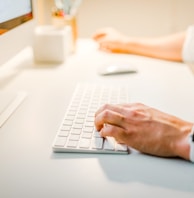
29 168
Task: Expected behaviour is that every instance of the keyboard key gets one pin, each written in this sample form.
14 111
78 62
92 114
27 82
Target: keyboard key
60 141
96 133
64 133
76 131
74 137
121 147
84 143
86 135
72 143
77 126
70 118
65 128
88 129
67 122
97 143
109 144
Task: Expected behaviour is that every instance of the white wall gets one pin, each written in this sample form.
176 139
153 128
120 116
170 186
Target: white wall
134 17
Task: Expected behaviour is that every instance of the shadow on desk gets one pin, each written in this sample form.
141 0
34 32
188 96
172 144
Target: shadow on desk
173 174
166 173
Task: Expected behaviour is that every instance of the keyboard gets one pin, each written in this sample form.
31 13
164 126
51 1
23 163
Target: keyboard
77 132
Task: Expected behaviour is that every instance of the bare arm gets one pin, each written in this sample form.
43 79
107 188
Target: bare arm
166 47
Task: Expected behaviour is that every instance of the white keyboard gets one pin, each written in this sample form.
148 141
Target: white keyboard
77 132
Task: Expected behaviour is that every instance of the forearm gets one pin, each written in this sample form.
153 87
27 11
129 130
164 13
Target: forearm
168 48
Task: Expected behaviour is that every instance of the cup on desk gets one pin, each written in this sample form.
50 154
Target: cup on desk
51 44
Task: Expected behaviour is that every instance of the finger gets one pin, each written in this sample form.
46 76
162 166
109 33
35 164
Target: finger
108 117
112 131
99 35
108 130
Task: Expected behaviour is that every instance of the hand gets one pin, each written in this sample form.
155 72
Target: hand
145 129
111 40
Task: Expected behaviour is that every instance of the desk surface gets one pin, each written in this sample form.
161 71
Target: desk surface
29 168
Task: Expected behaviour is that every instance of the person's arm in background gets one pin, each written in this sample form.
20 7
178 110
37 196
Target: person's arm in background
166 47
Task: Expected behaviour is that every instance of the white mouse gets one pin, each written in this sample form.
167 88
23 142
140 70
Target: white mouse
116 68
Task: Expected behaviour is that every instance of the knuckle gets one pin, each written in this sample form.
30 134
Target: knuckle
105 106
106 114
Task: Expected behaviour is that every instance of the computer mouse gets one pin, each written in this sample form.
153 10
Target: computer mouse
116 68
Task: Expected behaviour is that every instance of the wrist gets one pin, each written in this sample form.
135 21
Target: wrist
183 145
